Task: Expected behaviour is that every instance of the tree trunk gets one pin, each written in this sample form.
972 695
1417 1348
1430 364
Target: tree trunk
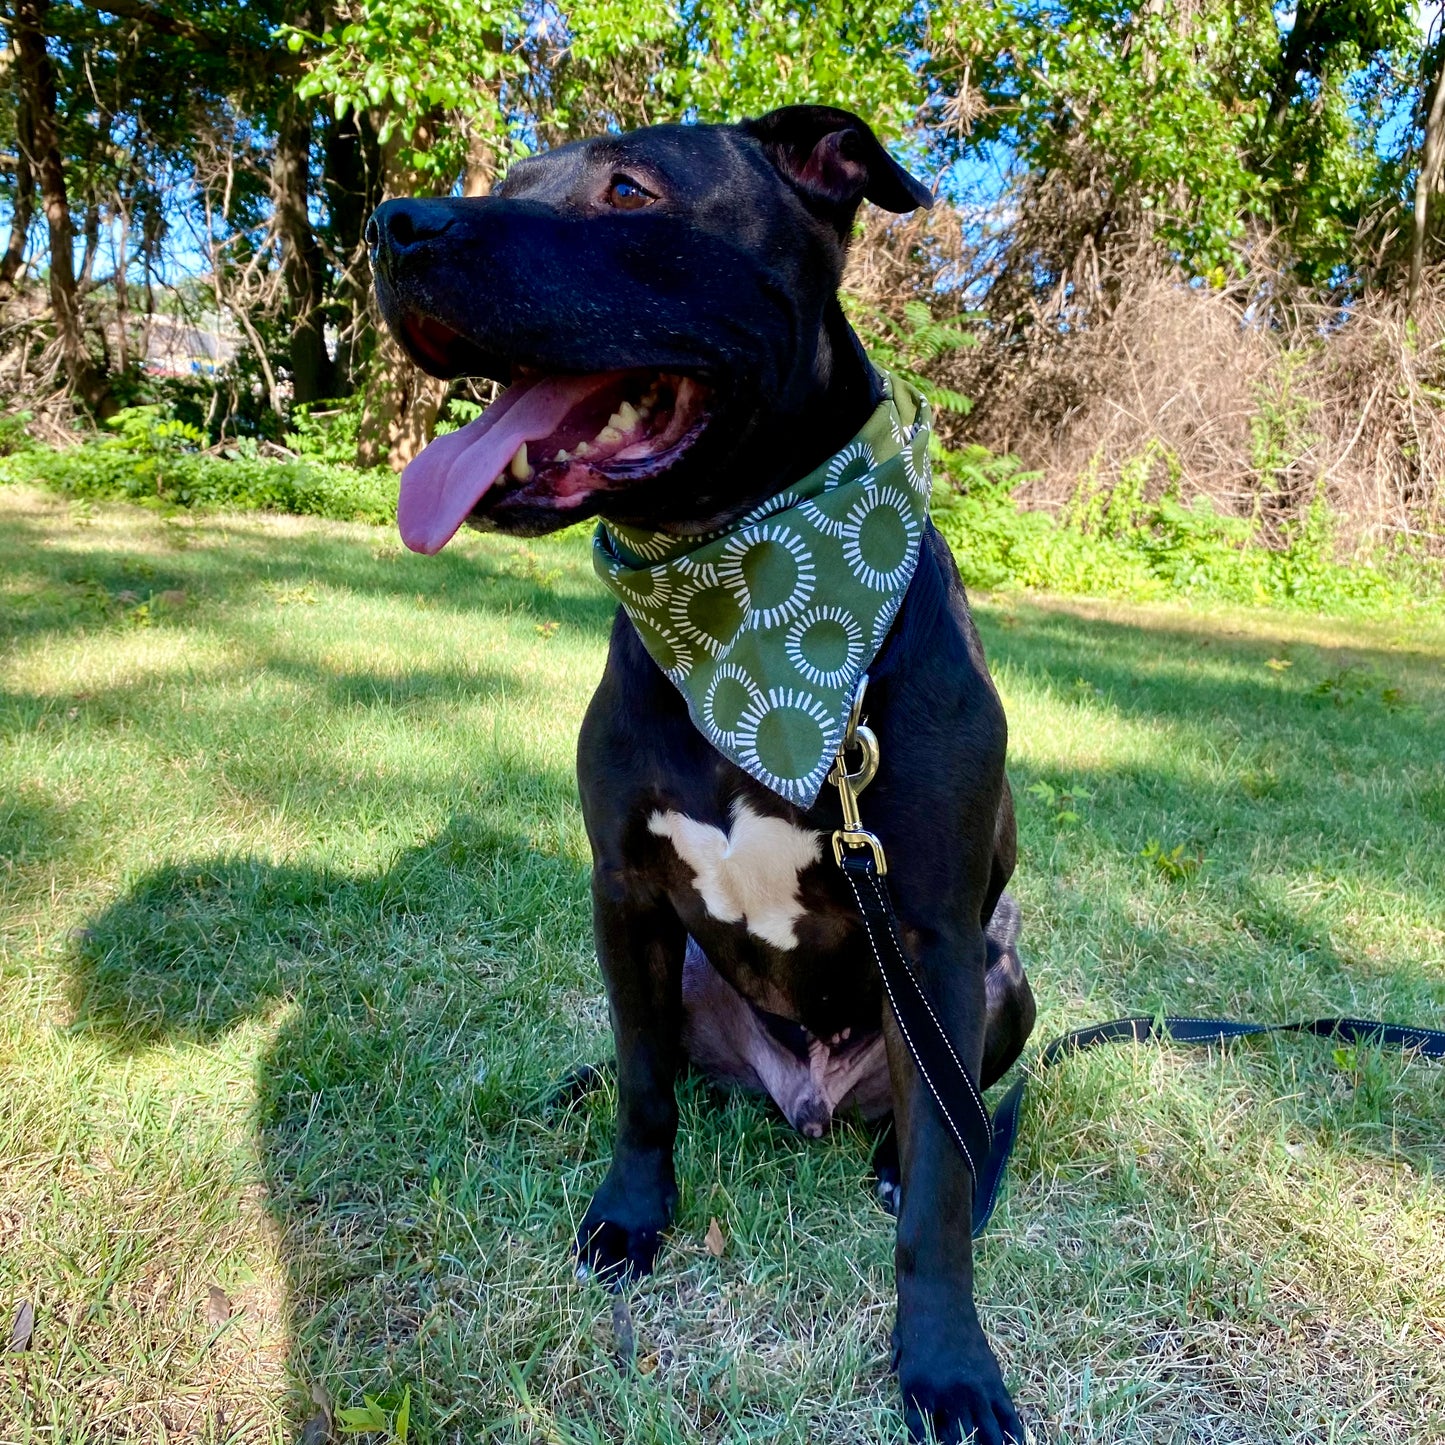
24 212
88 382
302 264
1307 17
352 181
402 401
481 168
1429 173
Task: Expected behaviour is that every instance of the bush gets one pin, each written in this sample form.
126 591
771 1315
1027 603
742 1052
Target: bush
14 433
155 460
1110 541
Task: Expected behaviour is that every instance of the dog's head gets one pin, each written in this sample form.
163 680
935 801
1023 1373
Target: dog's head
662 309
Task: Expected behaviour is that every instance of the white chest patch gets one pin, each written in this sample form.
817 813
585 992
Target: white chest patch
748 875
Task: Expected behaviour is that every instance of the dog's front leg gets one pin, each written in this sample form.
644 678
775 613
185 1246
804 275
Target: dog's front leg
640 945
946 1370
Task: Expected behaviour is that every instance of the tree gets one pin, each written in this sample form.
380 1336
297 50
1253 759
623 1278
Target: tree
42 151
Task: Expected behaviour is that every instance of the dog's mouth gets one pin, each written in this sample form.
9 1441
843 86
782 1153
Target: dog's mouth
549 442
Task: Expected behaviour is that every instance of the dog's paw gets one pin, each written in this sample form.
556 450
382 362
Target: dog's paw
620 1234
888 1172
616 1255
959 1399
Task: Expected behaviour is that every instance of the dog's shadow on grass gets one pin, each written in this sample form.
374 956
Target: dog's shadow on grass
414 1020
418 1020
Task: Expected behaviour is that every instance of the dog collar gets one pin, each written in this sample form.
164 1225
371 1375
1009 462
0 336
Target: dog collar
765 626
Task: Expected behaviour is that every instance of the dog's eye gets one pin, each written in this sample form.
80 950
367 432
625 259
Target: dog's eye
625 194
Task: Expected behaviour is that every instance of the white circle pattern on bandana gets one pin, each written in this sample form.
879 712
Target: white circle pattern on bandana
690 591
817 517
728 672
856 459
918 465
647 587
889 503
755 542
682 657
775 707
812 620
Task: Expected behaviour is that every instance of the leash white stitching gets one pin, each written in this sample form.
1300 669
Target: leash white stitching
943 1034
908 1038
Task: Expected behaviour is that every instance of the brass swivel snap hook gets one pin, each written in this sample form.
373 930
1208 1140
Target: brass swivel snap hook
849 784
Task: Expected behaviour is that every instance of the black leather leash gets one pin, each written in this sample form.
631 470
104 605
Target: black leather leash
987 1143
1429 1043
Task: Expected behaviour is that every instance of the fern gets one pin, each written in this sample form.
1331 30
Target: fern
911 347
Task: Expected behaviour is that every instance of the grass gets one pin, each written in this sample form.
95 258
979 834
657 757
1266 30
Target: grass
294 940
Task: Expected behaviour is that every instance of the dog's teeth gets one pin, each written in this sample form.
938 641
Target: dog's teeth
643 410
582 449
562 456
518 465
609 434
625 417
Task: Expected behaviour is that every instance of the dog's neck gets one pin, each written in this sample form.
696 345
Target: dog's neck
844 395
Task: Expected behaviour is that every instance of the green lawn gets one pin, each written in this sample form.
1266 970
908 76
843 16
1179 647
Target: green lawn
294 938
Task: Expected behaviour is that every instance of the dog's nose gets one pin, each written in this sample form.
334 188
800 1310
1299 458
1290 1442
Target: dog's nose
397 226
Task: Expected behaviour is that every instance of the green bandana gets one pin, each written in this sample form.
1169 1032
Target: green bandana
765 627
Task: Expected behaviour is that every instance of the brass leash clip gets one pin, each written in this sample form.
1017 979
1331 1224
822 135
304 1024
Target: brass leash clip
849 784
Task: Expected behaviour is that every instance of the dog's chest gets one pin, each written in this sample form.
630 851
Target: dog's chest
759 894
748 871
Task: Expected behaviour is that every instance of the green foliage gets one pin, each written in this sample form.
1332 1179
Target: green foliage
999 544
152 432
326 431
1208 116
911 347
1352 683
1138 90
457 413
749 56
1175 864
486 66
375 1417
14 433
407 60
1278 431
1111 541
1063 803
724 61
113 471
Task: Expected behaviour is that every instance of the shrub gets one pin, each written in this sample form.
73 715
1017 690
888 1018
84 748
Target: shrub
154 461
1111 541
1108 540
14 433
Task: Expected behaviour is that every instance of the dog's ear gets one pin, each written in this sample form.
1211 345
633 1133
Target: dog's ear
835 162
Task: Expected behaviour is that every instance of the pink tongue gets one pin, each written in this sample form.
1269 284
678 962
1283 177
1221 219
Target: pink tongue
448 478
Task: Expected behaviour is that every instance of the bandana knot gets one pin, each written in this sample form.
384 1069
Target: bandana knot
766 625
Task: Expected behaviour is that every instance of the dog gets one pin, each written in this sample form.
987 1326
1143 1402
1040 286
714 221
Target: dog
663 309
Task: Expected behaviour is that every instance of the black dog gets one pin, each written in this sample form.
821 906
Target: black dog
664 307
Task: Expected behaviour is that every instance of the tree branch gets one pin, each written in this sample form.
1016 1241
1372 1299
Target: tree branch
161 20
166 22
